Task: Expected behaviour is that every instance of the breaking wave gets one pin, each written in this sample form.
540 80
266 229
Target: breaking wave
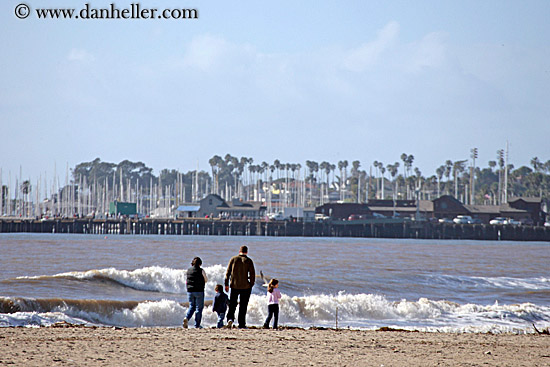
361 310
152 279
365 311
539 283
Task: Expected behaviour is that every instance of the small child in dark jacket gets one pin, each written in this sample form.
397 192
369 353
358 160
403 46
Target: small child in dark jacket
220 304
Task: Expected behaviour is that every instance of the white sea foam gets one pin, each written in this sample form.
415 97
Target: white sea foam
368 311
357 311
35 319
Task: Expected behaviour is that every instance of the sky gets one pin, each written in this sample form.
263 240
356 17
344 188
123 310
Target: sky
289 80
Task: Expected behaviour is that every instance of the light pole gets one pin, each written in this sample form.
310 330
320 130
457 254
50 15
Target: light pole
473 155
506 174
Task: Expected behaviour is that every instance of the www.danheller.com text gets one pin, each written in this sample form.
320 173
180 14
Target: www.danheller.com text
89 12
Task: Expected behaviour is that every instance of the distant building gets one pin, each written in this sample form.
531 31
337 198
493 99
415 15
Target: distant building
121 208
213 206
188 210
517 208
161 213
446 206
343 210
299 213
401 208
535 206
209 206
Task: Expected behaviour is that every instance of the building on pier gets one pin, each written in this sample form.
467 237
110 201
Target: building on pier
188 210
213 206
122 208
527 210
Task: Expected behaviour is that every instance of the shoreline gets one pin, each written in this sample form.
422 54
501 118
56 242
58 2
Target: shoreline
109 346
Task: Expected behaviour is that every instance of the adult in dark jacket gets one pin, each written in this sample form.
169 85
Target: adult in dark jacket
241 275
196 280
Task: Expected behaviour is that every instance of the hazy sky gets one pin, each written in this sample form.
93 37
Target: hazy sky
288 80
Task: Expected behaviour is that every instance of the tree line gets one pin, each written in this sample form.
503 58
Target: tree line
94 184
247 179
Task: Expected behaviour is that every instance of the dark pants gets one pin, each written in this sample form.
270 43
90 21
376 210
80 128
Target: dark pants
244 295
273 311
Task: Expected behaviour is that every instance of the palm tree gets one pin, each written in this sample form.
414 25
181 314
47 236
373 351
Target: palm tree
355 175
419 180
536 163
299 169
458 167
404 158
375 164
362 177
265 168
341 167
309 165
235 171
215 162
333 169
355 168
439 172
241 163
251 170
381 179
269 188
410 160
286 167
407 164
345 180
315 167
324 167
382 171
251 179
277 164
432 182
293 167
310 170
393 169
448 167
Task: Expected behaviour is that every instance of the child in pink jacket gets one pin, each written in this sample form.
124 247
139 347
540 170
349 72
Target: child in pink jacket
273 297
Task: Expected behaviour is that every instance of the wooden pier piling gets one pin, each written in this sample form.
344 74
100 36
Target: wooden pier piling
379 228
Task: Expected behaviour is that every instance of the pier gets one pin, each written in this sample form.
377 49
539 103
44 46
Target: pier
376 228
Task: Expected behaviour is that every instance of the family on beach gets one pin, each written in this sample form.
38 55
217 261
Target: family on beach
240 277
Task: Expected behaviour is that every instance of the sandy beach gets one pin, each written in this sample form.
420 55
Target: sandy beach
89 346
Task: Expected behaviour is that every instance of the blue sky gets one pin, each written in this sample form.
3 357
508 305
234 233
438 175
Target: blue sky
288 80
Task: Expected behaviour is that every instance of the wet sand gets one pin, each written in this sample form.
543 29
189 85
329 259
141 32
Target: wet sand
88 346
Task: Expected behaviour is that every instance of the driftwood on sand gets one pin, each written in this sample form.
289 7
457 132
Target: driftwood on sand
543 332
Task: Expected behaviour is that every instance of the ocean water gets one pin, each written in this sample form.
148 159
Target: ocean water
139 281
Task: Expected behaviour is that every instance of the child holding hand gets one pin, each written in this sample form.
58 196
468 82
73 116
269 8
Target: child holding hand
220 304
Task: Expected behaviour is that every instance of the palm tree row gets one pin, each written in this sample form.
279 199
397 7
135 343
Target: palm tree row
234 177
324 182
93 185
